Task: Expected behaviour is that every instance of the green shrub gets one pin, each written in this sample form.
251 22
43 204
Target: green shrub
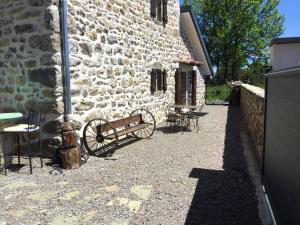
218 92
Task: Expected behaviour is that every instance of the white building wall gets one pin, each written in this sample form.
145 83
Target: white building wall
285 55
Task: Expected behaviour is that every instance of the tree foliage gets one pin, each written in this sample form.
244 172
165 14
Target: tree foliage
237 32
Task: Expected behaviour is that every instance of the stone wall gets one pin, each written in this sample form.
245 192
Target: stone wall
30 60
114 45
252 104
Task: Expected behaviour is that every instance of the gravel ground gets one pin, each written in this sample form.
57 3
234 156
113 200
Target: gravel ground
173 178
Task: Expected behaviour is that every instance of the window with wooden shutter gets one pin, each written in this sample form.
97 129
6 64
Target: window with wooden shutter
165 11
194 88
159 10
153 6
164 78
153 81
158 80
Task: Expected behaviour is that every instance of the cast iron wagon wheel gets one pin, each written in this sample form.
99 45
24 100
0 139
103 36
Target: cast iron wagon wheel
100 137
147 118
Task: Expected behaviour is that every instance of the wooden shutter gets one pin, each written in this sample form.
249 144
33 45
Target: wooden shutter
164 74
153 81
165 11
194 88
159 80
159 9
153 4
178 88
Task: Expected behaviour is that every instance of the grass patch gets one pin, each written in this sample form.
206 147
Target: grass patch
217 92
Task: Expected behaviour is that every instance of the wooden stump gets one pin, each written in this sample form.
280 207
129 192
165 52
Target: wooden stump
69 139
70 152
70 158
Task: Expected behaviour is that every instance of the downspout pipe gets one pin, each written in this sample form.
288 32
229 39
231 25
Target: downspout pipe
65 60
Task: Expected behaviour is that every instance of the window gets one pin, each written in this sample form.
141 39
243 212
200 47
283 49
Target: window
185 87
159 10
158 80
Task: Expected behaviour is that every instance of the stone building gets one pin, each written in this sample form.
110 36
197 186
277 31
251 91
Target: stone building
123 54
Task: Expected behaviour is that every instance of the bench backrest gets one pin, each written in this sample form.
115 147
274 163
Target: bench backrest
121 122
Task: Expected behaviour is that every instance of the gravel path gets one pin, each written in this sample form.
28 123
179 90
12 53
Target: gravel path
190 178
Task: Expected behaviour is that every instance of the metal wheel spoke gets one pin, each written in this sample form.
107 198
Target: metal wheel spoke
139 131
93 127
94 145
91 141
145 132
91 132
90 136
148 131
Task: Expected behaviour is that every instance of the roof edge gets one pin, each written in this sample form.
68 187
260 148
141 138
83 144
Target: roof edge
188 9
285 40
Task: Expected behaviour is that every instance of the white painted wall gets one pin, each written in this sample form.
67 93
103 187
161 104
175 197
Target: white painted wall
285 55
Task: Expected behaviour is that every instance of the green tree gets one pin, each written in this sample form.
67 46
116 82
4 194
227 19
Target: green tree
237 32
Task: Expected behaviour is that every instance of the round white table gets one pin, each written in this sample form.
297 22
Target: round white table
5 119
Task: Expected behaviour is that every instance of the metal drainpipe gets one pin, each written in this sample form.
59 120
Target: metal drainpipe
66 60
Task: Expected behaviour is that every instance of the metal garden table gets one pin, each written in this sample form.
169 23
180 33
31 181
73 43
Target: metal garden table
188 116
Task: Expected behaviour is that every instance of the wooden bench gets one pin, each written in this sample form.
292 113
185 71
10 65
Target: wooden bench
100 135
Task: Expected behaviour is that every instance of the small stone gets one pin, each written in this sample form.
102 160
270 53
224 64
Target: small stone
52 127
113 188
86 48
24 28
69 196
134 206
142 191
46 77
19 97
41 42
30 14
48 93
20 80
84 105
36 2
112 39
30 63
4 42
47 60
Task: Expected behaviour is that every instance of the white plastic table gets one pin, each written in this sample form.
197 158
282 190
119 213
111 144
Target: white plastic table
10 116
4 119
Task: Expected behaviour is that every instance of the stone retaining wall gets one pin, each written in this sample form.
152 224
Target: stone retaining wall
252 104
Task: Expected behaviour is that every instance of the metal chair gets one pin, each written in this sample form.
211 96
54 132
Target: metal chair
33 125
173 118
195 115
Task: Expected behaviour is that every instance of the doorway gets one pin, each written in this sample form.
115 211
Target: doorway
185 86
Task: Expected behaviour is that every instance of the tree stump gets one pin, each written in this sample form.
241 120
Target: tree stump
70 158
70 152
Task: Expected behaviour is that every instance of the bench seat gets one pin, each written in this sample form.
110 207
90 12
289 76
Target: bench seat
128 130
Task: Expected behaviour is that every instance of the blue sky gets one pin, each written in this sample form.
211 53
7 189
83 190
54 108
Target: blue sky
291 11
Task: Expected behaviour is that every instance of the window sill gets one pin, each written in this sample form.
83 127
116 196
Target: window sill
158 93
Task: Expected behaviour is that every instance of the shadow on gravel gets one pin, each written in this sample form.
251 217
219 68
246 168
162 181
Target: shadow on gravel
110 149
225 197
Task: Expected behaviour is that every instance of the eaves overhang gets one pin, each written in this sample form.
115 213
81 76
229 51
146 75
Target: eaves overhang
188 10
